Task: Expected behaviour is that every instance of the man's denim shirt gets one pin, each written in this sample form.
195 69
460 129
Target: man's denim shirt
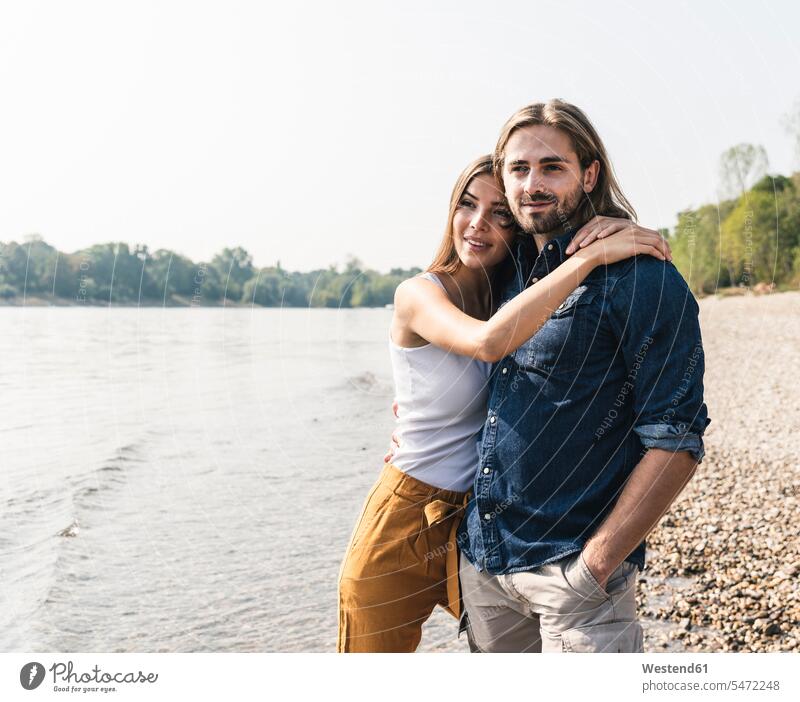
617 369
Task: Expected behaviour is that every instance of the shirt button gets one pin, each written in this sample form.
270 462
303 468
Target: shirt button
549 247
505 370
487 516
485 470
492 420
561 306
534 280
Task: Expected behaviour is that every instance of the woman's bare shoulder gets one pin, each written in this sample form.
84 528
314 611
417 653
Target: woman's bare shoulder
414 291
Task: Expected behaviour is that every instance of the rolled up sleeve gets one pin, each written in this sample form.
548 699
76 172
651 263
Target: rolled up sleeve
655 317
671 438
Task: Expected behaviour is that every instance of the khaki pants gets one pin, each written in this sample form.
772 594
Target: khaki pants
401 562
557 607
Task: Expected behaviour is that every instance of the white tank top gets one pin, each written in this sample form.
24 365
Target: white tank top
442 406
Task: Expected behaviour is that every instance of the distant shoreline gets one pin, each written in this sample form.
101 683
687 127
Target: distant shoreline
38 302
179 302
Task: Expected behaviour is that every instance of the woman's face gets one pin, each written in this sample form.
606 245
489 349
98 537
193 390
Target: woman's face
483 226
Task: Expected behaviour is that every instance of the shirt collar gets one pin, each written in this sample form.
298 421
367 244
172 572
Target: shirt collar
539 264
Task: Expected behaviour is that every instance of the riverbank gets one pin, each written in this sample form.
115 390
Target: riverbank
723 566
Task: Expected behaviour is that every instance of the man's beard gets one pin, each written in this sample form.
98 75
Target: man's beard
558 216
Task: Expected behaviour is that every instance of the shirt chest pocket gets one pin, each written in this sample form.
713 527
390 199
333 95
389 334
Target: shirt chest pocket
564 341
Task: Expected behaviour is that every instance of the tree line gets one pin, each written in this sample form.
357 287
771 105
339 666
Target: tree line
118 274
750 237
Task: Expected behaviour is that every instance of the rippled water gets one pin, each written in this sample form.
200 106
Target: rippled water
185 479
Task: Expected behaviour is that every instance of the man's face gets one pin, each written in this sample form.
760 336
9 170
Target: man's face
543 179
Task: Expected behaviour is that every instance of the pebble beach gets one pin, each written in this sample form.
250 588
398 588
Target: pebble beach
723 565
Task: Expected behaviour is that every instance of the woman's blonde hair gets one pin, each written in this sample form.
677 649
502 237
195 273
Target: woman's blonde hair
607 198
446 259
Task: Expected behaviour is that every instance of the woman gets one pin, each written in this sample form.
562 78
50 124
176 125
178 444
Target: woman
445 333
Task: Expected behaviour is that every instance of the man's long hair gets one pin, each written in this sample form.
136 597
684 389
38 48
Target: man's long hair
607 198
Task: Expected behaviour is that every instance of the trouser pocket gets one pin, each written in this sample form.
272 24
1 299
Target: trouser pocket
612 637
376 500
576 614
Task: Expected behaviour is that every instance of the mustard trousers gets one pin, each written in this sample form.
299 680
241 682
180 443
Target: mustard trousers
401 562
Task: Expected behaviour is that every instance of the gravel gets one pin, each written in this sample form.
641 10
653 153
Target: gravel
723 565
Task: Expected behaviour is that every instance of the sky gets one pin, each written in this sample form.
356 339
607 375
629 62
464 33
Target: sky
310 132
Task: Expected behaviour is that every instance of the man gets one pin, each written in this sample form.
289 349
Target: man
594 425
